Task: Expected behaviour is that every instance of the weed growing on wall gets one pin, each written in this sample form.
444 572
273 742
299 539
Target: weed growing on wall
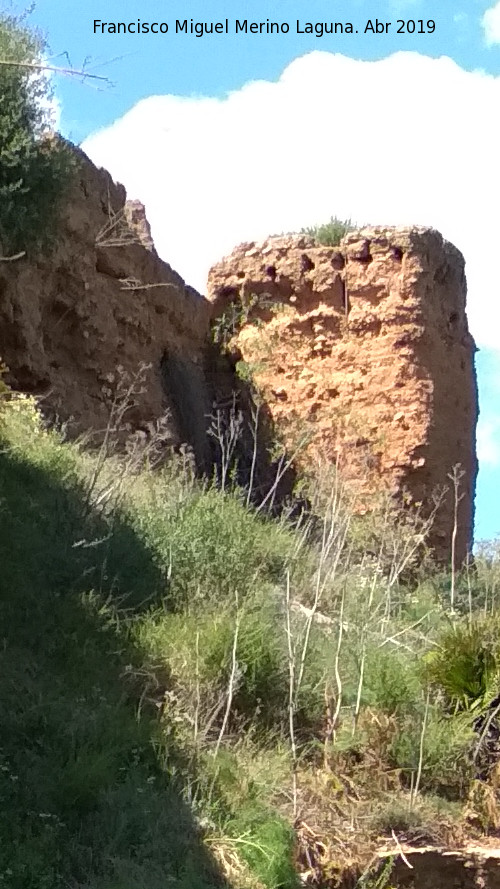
330 234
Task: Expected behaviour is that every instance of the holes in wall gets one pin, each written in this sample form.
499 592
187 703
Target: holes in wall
306 263
230 293
361 253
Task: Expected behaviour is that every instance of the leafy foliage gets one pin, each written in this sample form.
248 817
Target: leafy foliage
330 234
465 665
35 166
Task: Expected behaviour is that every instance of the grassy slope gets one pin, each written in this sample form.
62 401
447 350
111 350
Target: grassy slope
84 802
126 763
93 792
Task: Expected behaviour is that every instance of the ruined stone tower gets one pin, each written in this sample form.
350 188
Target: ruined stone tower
366 347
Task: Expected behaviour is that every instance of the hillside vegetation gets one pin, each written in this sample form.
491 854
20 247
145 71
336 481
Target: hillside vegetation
195 694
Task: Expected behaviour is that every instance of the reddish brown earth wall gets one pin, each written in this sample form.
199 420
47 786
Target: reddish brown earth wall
365 347
99 304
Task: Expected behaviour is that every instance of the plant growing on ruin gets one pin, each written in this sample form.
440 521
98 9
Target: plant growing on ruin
35 165
330 234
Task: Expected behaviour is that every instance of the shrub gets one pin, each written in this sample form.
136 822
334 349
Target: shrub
391 681
465 666
34 166
445 748
196 651
330 233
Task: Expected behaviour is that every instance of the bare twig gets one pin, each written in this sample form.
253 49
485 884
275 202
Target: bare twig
14 257
283 467
55 69
197 685
226 429
494 713
116 232
403 856
338 678
133 284
255 432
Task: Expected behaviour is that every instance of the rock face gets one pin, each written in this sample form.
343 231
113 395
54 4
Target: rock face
98 305
427 867
365 349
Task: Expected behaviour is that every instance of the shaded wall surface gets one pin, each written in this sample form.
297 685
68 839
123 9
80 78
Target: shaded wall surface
101 303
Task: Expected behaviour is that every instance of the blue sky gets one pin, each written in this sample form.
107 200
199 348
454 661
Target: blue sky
145 65
231 137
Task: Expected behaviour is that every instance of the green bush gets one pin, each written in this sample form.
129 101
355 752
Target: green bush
196 651
118 630
330 234
35 166
391 681
465 665
445 746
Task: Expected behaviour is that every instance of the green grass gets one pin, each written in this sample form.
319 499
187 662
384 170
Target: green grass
83 798
145 679
94 788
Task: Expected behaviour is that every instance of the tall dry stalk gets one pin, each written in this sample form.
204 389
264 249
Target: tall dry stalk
291 692
455 476
334 530
226 429
255 441
232 680
416 785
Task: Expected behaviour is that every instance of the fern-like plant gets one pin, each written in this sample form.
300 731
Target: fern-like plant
466 664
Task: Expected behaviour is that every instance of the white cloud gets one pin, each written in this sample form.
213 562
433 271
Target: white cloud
407 139
491 24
